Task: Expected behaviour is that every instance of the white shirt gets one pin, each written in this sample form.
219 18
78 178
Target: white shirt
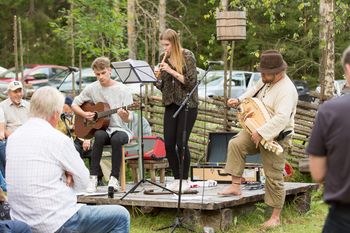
37 157
14 116
280 100
116 96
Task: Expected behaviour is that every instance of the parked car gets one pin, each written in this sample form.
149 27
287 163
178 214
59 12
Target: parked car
33 74
303 90
213 84
338 87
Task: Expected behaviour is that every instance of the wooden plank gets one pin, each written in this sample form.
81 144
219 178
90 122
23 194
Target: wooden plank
207 201
304 165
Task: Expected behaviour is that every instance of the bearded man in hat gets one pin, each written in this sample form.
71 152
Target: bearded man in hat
279 95
14 111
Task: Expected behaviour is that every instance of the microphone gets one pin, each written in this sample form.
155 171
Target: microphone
73 69
219 63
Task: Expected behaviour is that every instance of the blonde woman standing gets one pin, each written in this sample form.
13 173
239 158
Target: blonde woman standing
178 76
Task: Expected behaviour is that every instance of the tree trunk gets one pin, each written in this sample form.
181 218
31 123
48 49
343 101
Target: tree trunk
15 49
162 21
327 49
131 29
20 46
71 24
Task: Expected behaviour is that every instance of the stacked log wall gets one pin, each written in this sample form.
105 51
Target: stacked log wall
211 118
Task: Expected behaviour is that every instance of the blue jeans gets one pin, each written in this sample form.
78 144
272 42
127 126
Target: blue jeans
2 157
13 226
98 219
2 183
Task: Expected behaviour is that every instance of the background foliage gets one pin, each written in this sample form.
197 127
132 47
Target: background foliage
100 29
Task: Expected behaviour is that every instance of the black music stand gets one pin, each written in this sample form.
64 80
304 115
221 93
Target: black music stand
136 71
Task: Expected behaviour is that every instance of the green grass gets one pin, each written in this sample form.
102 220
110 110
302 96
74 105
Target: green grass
292 220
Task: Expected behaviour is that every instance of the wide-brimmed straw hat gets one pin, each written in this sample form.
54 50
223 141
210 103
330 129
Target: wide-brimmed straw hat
271 62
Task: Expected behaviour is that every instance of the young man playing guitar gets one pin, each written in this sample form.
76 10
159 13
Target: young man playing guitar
116 95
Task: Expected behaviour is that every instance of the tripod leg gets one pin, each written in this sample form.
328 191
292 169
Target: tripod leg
132 190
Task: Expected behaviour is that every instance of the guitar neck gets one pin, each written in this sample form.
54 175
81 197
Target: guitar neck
107 113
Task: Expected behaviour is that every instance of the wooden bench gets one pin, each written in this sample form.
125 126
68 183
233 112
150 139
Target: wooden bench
151 166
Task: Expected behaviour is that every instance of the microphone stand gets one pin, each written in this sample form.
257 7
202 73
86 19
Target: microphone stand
69 71
63 118
178 222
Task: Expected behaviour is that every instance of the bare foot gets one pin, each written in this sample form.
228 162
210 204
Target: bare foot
271 223
233 189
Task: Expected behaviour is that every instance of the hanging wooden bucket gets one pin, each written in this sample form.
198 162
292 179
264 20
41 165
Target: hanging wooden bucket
231 25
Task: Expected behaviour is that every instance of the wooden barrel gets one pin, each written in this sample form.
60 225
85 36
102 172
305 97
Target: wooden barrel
231 25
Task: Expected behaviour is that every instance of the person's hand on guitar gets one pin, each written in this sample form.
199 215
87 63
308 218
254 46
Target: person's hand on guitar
86 145
124 114
89 115
256 137
233 102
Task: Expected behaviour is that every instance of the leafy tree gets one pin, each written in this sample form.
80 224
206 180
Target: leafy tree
40 46
99 28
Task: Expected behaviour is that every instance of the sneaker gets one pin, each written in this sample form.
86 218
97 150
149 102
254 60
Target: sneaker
92 186
113 182
186 186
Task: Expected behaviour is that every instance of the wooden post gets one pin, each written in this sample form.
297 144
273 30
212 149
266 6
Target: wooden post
224 5
231 68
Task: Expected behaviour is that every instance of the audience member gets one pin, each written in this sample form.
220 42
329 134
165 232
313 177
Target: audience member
329 151
15 113
44 172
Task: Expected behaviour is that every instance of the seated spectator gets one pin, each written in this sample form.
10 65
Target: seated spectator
2 143
133 125
15 113
44 172
66 126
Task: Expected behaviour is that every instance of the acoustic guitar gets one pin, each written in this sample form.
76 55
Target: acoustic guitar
86 128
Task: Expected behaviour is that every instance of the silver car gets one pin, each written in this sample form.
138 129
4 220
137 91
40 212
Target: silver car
213 84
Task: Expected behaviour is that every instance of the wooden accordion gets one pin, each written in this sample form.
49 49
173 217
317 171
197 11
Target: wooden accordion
253 115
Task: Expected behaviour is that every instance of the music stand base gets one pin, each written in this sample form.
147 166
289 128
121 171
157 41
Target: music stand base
178 223
132 190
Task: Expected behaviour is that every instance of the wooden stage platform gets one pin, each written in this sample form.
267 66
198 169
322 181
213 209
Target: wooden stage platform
205 207
205 199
